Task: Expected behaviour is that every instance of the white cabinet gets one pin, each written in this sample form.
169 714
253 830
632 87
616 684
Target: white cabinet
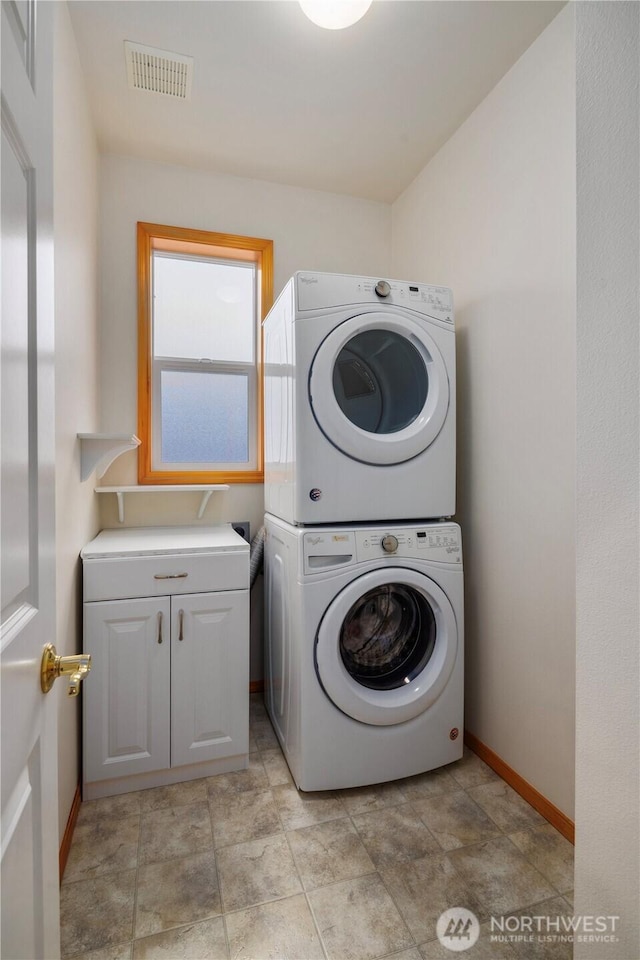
126 708
209 716
169 693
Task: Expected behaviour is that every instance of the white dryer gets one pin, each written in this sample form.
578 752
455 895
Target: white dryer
360 400
364 649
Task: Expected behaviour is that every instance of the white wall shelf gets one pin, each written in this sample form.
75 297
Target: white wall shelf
205 488
99 450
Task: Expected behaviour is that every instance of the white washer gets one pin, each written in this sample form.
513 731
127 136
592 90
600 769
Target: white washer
364 649
359 400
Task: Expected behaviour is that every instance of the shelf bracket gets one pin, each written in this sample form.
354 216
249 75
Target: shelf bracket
206 496
206 489
99 450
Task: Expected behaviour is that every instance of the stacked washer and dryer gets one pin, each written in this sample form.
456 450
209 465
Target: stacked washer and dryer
363 566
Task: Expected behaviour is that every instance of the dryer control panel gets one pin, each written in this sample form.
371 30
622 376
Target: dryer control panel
316 291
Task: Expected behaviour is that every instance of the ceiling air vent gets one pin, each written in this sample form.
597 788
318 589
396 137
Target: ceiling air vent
158 71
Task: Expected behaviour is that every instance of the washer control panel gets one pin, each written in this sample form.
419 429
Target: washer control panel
326 549
439 542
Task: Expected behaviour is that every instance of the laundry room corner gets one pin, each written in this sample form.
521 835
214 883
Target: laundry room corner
493 215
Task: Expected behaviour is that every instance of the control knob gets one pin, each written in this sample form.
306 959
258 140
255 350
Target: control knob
383 289
389 543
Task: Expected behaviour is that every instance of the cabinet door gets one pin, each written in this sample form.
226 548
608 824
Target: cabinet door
126 695
209 676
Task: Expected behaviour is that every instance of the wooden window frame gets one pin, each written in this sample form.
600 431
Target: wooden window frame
152 237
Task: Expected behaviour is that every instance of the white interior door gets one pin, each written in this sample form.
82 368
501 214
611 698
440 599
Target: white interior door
30 904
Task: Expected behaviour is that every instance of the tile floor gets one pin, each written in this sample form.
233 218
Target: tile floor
243 866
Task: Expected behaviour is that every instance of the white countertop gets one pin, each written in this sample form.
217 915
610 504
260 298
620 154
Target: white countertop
164 541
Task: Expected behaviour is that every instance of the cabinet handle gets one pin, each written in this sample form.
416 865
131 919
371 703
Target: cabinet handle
160 627
180 625
170 576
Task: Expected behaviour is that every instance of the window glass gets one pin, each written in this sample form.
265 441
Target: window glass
203 308
204 417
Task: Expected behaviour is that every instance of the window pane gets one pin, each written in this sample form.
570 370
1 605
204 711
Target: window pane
203 309
204 417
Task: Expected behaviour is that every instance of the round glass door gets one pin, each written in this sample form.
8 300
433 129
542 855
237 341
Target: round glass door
380 381
379 389
386 646
388 637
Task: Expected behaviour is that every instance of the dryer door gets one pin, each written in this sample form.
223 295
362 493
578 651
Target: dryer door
379 389
386 646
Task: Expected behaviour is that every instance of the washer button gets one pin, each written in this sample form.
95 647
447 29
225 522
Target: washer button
389 543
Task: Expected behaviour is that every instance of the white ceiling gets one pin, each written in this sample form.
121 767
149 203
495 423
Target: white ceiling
357 111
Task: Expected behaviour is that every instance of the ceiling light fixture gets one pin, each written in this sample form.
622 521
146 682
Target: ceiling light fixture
335 14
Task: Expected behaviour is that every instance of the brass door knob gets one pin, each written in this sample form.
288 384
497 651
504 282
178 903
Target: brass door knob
52 666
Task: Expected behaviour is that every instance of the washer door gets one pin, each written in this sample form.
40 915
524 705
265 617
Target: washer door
378 388
386 646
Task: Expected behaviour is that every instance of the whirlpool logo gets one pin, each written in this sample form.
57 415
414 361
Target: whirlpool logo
308 279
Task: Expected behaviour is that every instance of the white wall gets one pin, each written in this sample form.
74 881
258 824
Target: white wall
310 229
608 724
493 216
76 366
